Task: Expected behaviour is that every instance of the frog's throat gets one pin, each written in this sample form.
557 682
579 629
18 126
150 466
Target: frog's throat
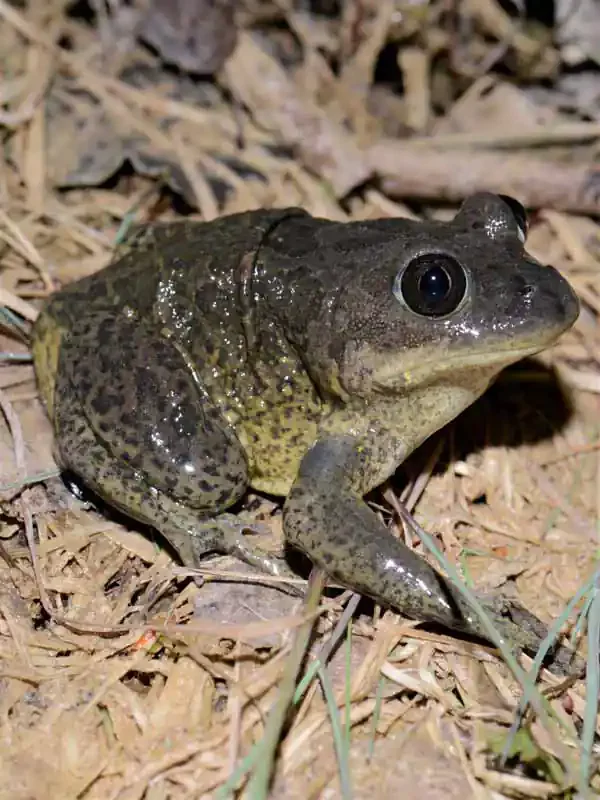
446 367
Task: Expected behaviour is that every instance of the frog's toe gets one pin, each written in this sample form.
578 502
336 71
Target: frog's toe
235 543
225 534
527 632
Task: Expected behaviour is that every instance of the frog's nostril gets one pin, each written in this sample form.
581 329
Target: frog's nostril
526 291
521 299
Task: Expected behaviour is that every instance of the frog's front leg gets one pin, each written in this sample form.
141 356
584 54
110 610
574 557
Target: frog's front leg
133 422
326 517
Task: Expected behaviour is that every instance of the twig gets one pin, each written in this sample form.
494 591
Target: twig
409 170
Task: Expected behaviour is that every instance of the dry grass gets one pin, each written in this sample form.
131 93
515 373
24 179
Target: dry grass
120 678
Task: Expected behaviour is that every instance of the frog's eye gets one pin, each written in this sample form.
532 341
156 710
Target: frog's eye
432 285
518 213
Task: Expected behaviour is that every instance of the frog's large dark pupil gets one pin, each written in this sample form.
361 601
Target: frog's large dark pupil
432 284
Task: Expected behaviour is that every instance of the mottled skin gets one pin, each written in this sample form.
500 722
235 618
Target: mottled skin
278 351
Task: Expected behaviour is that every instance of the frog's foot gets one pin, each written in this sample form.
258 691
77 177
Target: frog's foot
225 534
526 632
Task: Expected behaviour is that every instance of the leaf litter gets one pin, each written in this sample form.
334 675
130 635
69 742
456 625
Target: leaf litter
120 677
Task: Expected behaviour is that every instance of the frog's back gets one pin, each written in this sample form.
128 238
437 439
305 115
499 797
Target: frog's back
160 269
132 276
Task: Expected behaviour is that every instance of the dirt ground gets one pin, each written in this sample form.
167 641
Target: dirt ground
121 677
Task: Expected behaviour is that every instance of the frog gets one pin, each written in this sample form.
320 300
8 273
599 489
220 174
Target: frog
300 357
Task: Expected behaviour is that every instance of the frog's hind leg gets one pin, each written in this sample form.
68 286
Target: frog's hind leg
126 489
133 425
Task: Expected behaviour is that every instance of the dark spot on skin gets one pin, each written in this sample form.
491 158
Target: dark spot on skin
339 538
158 464
169 482
85 385
101 287
146 384
224 498
104 332
128 420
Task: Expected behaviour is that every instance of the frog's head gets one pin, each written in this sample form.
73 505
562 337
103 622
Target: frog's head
394 304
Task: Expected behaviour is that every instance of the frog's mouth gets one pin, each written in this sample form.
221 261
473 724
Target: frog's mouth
449 367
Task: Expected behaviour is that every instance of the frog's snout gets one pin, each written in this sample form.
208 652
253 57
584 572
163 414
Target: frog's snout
563 302
545 301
